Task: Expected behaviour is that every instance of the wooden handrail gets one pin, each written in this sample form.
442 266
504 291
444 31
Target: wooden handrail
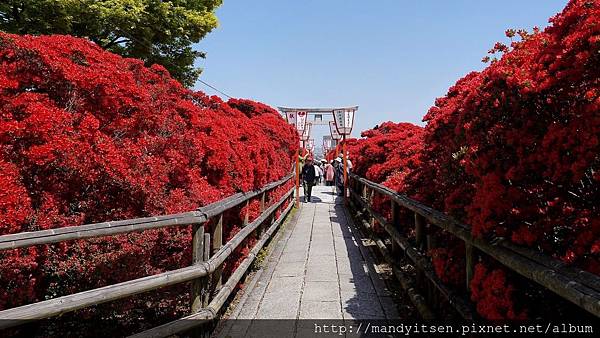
210 312
418 259
45 309
198 216
575 285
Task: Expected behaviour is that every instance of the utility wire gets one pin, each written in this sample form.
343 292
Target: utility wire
208 85
146 44
152 47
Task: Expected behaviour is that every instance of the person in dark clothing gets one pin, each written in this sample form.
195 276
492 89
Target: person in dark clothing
308 178
339 177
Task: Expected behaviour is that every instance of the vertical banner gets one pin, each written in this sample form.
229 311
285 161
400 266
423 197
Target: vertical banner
333 130
291 117
301 122
306 133
344 119
311 145
326 141
298 120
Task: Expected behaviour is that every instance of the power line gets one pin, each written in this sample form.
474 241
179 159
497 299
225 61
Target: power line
208 85
151 47
146 44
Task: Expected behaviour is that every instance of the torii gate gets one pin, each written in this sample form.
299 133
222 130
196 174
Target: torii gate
340 126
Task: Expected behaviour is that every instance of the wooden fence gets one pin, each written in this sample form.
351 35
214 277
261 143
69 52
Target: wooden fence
208 255
577 286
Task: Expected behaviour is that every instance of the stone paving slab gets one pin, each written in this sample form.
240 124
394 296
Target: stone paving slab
322 270
311 309
321 292
290 269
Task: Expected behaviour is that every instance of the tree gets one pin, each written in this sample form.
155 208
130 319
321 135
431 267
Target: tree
152 30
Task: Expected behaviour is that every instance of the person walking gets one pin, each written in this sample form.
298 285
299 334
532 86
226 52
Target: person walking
329 174
339 176
318 174
308 178
348 163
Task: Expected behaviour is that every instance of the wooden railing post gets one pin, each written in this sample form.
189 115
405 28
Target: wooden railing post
420 244
470 263
197 257
432 294
370 204
364 191
395 221
247 216
217 279
262 201
218 235
260 229
205 281
419 231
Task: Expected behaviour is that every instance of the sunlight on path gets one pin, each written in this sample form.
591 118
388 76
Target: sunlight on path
318 271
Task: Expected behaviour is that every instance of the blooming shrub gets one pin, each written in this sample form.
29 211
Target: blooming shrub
387 154
389 150
515 147
88 136
493 294
513 151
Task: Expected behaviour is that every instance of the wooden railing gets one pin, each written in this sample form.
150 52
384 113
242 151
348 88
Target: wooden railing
208 255
577 286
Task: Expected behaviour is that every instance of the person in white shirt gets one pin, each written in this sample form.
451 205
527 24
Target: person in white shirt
318 174
348 162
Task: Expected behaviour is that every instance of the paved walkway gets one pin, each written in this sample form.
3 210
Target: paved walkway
318 270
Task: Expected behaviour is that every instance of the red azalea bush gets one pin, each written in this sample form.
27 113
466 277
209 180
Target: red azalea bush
388 151
523 138
515 148
387 154
513 151
89 136
493 294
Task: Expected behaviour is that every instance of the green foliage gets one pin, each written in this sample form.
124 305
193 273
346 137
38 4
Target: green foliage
153 30
260 259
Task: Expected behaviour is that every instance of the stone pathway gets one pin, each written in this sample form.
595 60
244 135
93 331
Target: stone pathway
318 269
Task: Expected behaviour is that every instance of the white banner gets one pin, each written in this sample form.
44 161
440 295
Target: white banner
326 142
291 117
306 132
301 121
333 130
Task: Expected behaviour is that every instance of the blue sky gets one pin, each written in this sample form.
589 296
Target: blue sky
390 57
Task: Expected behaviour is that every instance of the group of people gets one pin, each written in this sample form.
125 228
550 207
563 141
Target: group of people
316 172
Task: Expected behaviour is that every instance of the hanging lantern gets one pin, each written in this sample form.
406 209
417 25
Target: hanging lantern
344 120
